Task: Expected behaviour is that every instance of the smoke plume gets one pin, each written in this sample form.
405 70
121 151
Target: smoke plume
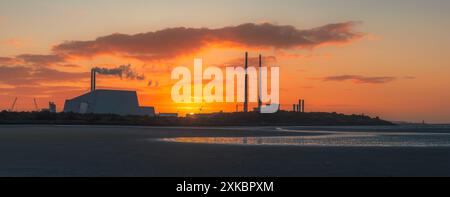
122 71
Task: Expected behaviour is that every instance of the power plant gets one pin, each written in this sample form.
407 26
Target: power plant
118 102
122 102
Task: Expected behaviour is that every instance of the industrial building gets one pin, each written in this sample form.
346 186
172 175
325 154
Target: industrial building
118 102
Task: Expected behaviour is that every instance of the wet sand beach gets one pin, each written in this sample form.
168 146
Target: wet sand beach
52 150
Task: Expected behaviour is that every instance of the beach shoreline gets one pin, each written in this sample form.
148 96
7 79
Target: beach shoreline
52 150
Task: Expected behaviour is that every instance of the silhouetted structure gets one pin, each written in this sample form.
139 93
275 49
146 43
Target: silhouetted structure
303 105
300 107
118 102
35 104
13 104
260 85
281 118
168 115
93 80
246 84
51 107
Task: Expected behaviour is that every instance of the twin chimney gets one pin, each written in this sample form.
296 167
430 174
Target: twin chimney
300 107
246 84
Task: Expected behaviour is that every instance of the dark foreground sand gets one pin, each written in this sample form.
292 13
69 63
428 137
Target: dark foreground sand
129 151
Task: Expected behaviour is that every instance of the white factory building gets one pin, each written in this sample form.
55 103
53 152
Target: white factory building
118 102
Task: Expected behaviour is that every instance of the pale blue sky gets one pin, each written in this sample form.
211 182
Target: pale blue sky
50 21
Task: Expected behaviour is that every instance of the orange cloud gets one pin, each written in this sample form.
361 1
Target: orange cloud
22 75
39 90
41 60
8 60
252 61
34 60
174 42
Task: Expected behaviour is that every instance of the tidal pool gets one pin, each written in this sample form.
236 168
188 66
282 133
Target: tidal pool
331 138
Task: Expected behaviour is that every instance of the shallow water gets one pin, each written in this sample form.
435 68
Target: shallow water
339 138
76 150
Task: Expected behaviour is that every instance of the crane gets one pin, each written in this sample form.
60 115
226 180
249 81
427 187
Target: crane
13 105
35 104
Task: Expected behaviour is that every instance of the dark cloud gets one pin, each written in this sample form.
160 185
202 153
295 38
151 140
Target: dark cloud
360 79
173 42
14 75
40 60
36 60
48 75
8 60
23 75
33 90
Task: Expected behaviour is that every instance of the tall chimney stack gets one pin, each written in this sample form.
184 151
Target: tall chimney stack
299 106
260 85
303 105
246 83
92 79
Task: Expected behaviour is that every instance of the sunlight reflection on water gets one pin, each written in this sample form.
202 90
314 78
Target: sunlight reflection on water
340 139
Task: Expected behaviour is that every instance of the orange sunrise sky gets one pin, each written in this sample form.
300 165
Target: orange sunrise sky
381 58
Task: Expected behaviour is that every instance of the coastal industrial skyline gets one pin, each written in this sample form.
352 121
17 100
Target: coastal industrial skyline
223 97
351 59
